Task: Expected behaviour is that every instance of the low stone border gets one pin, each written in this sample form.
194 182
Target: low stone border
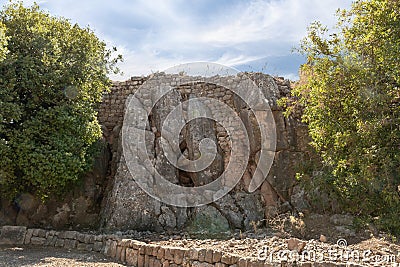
132 252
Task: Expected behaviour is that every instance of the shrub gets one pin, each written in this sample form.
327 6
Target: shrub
52 76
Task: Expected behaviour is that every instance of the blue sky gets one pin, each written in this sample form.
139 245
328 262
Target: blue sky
153 35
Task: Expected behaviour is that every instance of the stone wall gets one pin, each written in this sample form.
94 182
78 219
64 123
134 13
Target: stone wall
109 198
133 252
127 206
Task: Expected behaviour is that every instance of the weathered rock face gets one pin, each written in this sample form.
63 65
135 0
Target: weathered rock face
110 197
127 206
79 208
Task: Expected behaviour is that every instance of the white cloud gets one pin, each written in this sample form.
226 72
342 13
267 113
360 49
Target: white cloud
154 35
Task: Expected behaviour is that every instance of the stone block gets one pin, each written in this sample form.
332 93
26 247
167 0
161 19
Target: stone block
41 233
98 246
140 260
89 239
234 259
131 257
80 237
209 256
12 235
226 258
142 249
122 254
81 246
194 254
157 263
168 254
38 241
125 243
113 249
70 243
98 238
242 262
60 242
178 256
28 236
151 262
148 250
147 259
202 254
51 233
68 234
155 251
160 253
217 255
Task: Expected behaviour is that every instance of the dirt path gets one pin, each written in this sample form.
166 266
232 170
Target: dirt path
34 256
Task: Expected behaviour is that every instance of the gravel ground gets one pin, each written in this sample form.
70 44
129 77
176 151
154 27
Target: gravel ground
34 256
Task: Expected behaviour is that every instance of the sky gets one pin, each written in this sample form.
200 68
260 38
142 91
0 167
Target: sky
154 35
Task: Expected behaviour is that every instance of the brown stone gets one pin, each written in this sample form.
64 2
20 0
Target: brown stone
131 257
202 254
296 244
146 260
149 250
226 258
234 259
269 195
217 255
151 261
157 263
155 251
160 253
140 260
118 253
123 254
136 244
194 254
209 256
168 254
113 249
178 256
242 262
142 249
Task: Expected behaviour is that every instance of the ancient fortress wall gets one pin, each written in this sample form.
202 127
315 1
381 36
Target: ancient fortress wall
109 197
238 209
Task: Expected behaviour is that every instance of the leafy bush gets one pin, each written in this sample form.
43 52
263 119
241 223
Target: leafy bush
52 76
350 95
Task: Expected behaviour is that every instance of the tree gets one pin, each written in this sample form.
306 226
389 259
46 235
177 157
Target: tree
51 80
350 95
3 42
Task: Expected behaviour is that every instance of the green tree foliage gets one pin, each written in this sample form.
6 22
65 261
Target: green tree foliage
3 42
52 76
350 93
